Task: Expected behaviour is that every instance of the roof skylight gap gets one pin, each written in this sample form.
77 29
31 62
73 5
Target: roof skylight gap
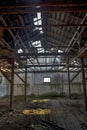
38 6
37 44
35 19
60 51
39 15
38 21
20 51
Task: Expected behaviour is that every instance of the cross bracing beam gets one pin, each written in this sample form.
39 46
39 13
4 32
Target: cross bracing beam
75 76
20 77
5 75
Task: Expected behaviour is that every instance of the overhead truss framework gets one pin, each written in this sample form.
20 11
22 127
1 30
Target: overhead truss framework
42 35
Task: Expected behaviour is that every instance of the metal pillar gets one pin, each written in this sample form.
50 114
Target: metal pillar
25 96
69 83
84 85
12 85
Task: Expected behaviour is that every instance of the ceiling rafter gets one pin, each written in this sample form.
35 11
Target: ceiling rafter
77 33
62 21
46 4
25 30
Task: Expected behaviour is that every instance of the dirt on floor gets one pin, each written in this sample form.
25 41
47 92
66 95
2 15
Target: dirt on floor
65 114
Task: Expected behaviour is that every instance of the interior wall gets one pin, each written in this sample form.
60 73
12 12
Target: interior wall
3 86
36 85
58 85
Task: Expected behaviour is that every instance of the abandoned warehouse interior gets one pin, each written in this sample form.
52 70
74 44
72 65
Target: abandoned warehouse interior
43 64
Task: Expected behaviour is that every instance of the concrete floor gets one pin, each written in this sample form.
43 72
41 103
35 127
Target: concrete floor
68 114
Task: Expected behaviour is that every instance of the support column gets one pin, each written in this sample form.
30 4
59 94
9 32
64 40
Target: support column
69 83
25 96
62 83
84 85
12 85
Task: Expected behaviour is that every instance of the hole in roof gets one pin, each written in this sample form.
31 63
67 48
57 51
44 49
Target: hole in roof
35 19
20 51
41 31
40 28
37 6
52 49
60 51
38 45
39 15
38 21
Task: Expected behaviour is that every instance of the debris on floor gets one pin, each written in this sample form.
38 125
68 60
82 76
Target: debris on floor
61 116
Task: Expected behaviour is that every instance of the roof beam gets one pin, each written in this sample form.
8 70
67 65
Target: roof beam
79 9
45 4
5 24
51 65
27 35
45 26
44 54
49 71
15 39
76 35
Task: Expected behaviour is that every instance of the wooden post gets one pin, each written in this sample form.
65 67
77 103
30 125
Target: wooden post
25 83
84 85
69 83
12 84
